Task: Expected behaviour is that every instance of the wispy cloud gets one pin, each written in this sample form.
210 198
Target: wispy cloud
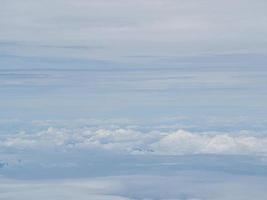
157 28
185 185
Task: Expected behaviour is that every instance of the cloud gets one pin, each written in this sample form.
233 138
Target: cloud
185 185
131 141
75 189
127 28
182 142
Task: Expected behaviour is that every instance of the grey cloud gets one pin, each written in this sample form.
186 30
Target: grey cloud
184 185
33 45
122 28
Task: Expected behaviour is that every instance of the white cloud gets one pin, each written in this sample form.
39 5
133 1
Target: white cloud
132 141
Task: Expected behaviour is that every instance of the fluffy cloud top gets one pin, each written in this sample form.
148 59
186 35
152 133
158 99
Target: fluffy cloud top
130 141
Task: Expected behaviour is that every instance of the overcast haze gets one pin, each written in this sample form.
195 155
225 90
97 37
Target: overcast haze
113 99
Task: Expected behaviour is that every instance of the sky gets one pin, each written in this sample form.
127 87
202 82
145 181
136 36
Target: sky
132 59
174 91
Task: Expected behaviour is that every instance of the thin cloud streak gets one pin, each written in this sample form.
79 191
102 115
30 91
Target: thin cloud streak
157 28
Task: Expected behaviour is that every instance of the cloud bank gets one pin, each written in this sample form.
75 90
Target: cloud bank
131 141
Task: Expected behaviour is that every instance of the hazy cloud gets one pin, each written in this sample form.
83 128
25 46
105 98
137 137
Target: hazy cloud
185 185
127 28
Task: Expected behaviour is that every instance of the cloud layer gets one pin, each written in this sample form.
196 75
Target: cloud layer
131 141
185 185
117 30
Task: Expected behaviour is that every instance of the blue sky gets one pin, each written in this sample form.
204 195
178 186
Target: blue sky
66 88
105 98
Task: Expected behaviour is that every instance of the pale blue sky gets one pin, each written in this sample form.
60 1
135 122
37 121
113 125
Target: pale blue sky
134 59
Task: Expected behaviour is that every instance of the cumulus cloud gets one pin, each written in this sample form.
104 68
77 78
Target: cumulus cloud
131 141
